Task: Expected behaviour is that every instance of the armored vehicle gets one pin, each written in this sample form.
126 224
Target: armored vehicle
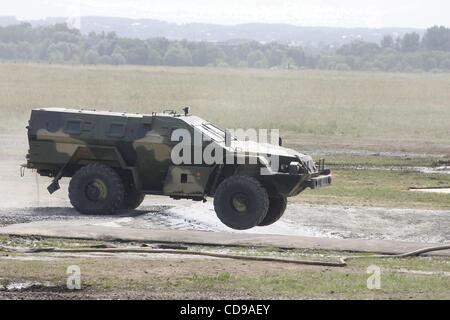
115 159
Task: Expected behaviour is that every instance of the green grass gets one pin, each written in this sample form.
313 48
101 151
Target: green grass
181 277
335 284
381 188
423 263
233 279
357 104
44 242
434 264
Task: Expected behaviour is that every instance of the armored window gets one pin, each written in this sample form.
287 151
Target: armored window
73 126
116 130
212 132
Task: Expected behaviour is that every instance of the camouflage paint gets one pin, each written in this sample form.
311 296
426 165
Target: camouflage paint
63 140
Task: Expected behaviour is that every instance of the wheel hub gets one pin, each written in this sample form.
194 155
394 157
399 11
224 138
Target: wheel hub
96 190
239 202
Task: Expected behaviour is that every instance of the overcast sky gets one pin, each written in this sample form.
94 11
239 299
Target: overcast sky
334 13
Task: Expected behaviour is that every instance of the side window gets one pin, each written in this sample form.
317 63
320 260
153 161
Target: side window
73 126
116 130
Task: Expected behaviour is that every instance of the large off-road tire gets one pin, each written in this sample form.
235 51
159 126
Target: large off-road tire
96 189
132 199
277 206
241 202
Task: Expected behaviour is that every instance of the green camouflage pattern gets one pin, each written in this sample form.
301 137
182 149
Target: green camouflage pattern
139 146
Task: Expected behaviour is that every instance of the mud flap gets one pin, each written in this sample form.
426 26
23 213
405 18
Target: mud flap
53 187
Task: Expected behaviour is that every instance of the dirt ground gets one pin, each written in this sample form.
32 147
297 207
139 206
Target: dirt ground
43 276
133 276
165 276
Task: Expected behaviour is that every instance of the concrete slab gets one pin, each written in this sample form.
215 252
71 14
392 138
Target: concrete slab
81 229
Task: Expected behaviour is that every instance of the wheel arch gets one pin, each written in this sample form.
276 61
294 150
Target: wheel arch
90 154
107 179
225 171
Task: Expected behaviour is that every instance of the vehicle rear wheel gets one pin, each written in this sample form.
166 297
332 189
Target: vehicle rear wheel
96 189
241 202
277 206
133 199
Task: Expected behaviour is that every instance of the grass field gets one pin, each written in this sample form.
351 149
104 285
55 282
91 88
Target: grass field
130 277
380 188
376 105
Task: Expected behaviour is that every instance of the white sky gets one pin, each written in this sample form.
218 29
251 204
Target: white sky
334 13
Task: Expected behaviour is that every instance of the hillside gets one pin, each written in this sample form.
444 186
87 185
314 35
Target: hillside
262 32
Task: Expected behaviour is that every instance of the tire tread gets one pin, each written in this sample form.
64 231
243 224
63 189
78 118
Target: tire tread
261 197
116 183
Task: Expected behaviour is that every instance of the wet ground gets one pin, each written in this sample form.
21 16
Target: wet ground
302 220
440 169
26 199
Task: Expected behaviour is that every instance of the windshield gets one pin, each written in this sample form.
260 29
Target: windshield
213 132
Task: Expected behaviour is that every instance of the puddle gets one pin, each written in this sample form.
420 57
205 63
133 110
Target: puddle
28 258
360 152
337 222
442 169
23 286
432 190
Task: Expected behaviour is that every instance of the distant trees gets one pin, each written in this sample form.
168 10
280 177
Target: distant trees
407 53
7 51
437 38
137 54
358 48
387 42
257 59
91 57
410 42
177 55
60 44
154 57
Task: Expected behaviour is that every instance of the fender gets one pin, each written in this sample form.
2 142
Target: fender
86 154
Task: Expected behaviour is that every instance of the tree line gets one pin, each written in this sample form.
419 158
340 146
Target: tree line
60 44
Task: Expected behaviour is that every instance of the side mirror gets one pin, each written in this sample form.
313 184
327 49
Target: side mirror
280 141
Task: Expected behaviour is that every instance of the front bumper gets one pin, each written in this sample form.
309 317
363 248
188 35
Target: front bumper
290 185
320 181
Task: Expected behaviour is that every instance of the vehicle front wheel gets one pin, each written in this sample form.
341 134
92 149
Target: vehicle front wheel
241 202
277 206
96 189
